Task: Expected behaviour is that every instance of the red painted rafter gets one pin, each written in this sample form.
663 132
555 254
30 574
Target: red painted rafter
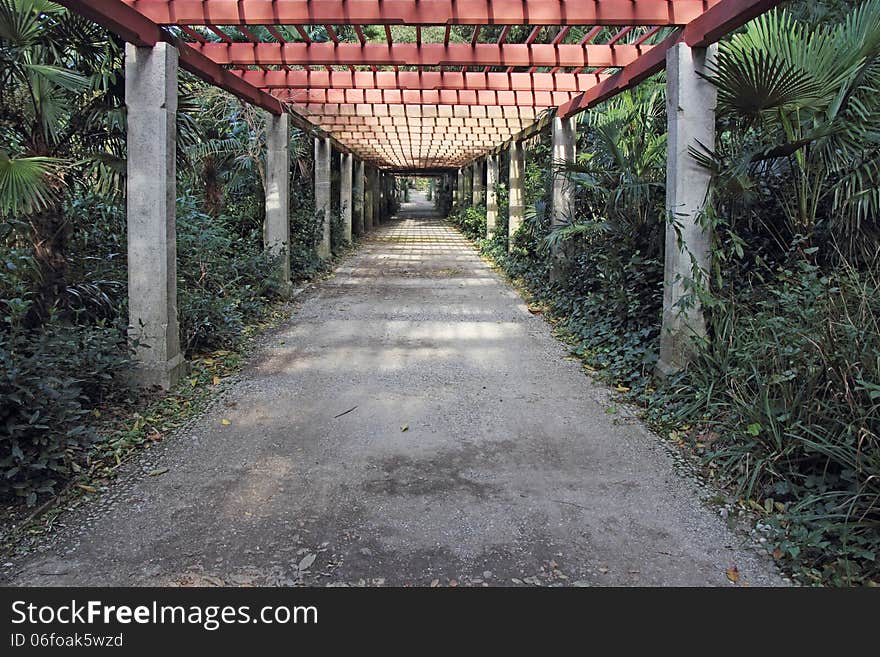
429 54
422 12
422 116
418 80
425 97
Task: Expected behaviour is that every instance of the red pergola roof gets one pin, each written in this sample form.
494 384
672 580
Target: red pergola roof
431 102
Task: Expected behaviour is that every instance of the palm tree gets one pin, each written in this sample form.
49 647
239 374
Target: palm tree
620 174
61 121
799 104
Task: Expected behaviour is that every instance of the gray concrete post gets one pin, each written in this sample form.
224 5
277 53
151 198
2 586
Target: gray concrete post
345 194
323 150
564 133
358 199
379 196
477 177
458 191
564 141
690 108
276 227
369 199
151 99
468 197
491 194
516 202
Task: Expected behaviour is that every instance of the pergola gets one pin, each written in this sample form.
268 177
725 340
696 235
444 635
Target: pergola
394 89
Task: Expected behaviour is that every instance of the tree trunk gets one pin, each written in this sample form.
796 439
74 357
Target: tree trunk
49 235
213 190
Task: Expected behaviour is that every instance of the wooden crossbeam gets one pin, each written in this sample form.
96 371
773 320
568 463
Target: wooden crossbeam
423 111
425 97
323 79
428 54
422 12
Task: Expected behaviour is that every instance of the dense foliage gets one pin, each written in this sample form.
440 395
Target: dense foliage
64 352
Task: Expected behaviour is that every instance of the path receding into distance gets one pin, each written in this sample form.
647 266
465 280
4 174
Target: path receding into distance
509 469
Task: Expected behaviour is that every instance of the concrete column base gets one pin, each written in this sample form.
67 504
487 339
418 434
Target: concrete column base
164 375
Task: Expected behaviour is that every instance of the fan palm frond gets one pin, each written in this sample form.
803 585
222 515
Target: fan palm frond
28 184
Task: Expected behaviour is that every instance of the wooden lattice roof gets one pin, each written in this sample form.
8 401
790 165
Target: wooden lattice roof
421 84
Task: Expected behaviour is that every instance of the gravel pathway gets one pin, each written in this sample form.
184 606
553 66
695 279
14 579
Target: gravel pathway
413 424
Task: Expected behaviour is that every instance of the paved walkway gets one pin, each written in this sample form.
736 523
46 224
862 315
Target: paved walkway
413 422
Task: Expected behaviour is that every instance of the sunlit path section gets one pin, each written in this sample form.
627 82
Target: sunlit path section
413 422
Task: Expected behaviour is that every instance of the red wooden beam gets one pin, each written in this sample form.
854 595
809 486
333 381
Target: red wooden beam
122 20
722 18
303 79
407 113
423 12
643 67
425 97
428 54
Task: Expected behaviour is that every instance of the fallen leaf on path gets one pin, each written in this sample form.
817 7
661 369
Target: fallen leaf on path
216 380
777 554
225 422
307 561
405 427
732 574
88 489
157 472
435 583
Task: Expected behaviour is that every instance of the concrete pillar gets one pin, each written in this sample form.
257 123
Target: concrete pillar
369 200
377 197
346 175
564 140
564 133
478 188
690 108
458 192
151 99
323 150
516 204
468 197
357 202
491 194
276 227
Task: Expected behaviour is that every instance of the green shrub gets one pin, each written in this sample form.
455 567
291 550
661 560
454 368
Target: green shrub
471 220
225 281
49 381
788 394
